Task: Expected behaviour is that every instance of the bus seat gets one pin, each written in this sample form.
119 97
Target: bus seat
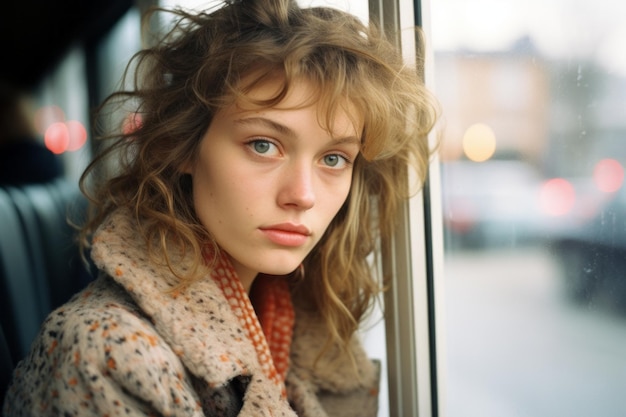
20 307
52 203
40 266
29 227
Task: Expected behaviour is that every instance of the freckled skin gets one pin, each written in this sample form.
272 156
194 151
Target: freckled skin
250 174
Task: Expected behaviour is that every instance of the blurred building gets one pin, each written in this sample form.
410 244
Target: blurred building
510 92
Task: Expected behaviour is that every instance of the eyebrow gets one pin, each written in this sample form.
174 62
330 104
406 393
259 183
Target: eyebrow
286 130
278 127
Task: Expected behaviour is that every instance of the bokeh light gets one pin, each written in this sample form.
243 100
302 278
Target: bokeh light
131 123
479 142
557 197
57 137
77 135
608 175
68 136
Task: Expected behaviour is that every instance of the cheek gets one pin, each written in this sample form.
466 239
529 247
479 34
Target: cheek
207 194
345 190
339 196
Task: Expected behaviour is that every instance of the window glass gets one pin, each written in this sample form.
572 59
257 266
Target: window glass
59 112
534 205
62 100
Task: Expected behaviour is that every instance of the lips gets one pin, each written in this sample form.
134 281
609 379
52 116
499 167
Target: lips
287 234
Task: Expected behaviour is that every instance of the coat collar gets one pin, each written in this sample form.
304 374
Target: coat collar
200 326
196 322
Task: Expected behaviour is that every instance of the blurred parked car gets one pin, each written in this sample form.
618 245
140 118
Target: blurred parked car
593 255
490 203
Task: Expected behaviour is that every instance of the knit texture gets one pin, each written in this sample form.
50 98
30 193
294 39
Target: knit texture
271 336
129 345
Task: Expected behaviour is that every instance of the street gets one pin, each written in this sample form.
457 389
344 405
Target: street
516 347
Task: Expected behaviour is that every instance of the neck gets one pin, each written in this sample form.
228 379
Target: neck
246 276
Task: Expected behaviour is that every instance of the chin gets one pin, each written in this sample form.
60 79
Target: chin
285 268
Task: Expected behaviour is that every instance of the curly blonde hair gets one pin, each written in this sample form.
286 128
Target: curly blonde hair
198 68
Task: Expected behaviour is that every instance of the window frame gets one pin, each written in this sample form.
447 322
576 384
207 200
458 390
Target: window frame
414 256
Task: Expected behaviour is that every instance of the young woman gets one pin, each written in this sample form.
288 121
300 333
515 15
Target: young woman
267 152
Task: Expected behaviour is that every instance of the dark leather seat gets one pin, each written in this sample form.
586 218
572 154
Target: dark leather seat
21 307
40 266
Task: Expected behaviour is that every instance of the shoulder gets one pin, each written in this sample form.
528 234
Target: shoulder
338 369
98 352
341 382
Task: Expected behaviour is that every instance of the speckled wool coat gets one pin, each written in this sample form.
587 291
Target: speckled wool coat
125 346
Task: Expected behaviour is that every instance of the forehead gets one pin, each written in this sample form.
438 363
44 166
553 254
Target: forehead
339 116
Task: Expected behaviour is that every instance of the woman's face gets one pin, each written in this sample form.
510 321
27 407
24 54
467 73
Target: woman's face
268 182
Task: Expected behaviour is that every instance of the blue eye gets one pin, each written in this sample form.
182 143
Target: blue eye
334 161
261 146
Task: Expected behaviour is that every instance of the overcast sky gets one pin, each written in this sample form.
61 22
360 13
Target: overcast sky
559 28
594 29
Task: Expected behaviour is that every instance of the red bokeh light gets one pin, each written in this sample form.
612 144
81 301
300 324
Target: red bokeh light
77 135
65 137
557 197
57 137
131 123
608 175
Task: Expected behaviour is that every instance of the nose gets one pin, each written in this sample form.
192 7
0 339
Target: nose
296 189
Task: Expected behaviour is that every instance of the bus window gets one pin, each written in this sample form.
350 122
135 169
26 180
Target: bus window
534 205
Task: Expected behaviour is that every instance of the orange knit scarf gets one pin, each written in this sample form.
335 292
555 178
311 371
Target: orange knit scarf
269 324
